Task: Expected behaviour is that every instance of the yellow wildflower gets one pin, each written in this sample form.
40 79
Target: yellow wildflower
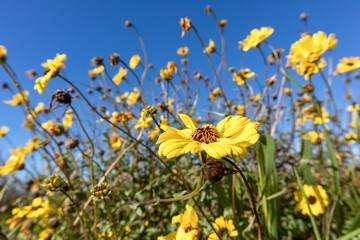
3 131
240 109
255 38
122 117
133 97
68 119
353 107
288 91
15 161
210 48
156 130
53 67
183 51
315 137
54 129
223 227
347 65
3 52
18 99
143 122
122 97
230 136
96 71
134 61
185 24
115 140
216 92
45 234
255 97
120 76
317 198
241 75
166 74
351 137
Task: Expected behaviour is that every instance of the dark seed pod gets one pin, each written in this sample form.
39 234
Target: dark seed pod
213 170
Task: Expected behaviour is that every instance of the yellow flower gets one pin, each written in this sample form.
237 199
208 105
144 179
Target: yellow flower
18 99
189 226
317 198
210 48
241 75
230 136
133 97
122 97
240 109
45 234
96 71
122 117
353 107
255 98
351 137
347 65
288 91
134 61
54 129
121 75
222 226
3 131
53 67
255 38
115 140
143 122
185 24
166 74
15 161
183 51
315 137
68 119
305 54
2 54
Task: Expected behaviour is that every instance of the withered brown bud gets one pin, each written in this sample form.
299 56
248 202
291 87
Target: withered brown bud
309 87
157 80
53 222
102 108
208 9
150 66
98 88
128 23
101 152
4 85
89 91
213 170
31 73
71 143
303 16
114 59
97 61
61 96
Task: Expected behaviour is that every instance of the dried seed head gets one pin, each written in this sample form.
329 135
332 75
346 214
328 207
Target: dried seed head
97 61
61 97
304 16
213 170
128 23
114 59
208 9
71 143
31 73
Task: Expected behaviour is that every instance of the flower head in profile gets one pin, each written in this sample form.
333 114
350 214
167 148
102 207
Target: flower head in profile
241 75
96 71
185 24
133 97
3 131
255 38
2 54
189 226
210 48
120 76
15 161
316 197
68 119
230 136
225 228
53 67
134 61
351 137
347 65
18 99
315 137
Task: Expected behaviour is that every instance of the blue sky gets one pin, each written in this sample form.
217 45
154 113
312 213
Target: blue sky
34 31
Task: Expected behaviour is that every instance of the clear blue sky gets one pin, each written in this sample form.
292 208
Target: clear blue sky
34 31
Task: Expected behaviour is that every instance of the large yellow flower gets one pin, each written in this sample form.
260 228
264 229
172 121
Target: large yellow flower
305 54
15 162
230 136
120 76
223 227
255 38
347 65
317 198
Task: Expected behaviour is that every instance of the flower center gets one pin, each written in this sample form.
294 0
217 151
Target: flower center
350 64
206 134
312 199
